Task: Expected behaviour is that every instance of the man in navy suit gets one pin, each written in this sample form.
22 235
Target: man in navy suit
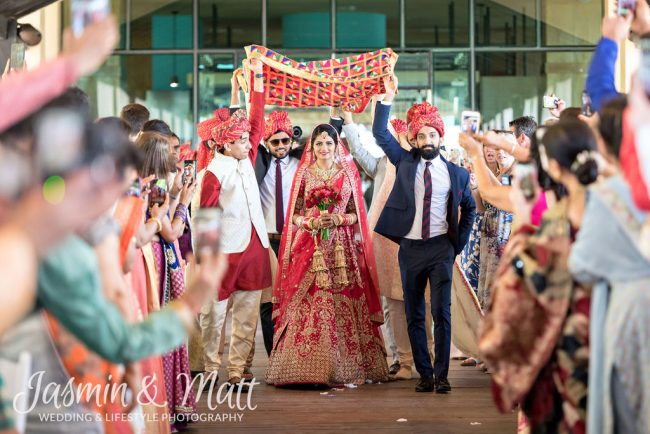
422 215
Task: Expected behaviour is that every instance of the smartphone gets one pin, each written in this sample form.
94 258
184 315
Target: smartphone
550 102
586 104
207 230
135 189
469 122
60 138
189 171
526 176
625 7
158 193
85 12
505 180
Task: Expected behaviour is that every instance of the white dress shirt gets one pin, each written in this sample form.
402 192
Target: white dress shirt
289 167
441 186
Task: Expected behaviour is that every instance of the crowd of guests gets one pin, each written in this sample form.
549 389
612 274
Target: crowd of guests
111 277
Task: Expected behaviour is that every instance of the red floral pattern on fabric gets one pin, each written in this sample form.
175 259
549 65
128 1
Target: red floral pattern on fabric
348 82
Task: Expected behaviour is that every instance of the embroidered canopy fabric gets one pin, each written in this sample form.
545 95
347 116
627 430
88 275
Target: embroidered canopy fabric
348 82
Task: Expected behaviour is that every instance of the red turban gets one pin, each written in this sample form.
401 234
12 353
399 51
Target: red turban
411 112
231 129
205 128
399 126
278 121
425 115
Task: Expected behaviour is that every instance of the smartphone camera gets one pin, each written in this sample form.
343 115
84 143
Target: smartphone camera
297 133
550 102
626 7
189 171
586 104
207 230
158 193
469 122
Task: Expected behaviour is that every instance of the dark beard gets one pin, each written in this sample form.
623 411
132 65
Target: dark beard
428 153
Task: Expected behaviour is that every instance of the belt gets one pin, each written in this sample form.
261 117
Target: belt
275 237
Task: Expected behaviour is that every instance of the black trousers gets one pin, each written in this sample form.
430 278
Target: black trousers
266 312
421 261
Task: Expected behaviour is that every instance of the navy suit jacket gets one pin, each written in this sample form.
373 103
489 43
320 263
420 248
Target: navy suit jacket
397 217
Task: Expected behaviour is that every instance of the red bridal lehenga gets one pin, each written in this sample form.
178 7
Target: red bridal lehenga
326 308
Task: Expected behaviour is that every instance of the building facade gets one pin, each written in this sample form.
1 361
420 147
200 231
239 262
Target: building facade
496 56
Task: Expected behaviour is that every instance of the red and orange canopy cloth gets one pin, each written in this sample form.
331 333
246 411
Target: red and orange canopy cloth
348 82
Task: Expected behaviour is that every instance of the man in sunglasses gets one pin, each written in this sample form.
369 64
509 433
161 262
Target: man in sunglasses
275 168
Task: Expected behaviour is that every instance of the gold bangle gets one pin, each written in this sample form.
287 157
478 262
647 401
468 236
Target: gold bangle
158 223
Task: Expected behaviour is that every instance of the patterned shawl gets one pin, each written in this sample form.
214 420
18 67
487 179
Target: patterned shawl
348 82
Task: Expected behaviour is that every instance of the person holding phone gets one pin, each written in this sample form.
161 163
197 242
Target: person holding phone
229 184
429 212
538 309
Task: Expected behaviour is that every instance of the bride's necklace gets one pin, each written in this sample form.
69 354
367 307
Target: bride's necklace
325 174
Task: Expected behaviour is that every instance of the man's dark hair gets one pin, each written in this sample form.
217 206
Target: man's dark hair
116 122
524 125
158 126
610 125
570 113
135 115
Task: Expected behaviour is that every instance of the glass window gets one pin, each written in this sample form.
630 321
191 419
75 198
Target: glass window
215 72
571 23
437 23
293 24
146 80
367 23
161 24
118 8
230 24
505 22
513 84
451 88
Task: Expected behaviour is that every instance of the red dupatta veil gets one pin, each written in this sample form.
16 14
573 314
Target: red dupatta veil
287 285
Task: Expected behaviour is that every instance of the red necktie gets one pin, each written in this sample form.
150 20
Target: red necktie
279 202
426 209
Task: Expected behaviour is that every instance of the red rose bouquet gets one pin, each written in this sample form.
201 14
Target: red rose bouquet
322 197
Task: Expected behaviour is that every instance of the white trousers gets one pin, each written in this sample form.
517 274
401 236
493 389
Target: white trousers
245 315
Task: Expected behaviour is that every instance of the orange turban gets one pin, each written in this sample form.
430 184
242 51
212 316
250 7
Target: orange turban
205 128
425 115
231 129
278 121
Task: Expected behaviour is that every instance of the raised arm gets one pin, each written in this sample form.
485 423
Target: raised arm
384 138
601 77
365 159
256 114
489 187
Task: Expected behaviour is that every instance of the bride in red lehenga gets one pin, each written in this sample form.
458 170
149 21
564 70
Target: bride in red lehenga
326 300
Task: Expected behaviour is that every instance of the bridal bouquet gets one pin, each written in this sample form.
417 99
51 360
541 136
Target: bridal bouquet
322 197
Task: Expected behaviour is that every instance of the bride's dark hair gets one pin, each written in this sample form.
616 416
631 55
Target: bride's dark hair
325 128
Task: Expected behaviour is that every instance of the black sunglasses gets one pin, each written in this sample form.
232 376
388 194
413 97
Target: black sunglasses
276 142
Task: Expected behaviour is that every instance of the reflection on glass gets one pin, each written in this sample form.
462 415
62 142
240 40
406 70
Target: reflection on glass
450 85
413 70
367 23
145 80
513 84
293 24
571 23
505 22
215 72
118 8
229 24
437 23
161 24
